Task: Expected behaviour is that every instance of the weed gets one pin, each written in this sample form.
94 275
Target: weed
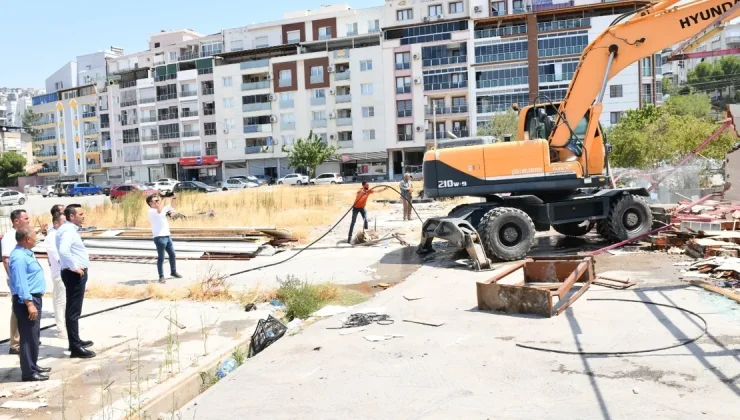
240 355
134 380
132 208
172 348
105 397
208 379
300 298
211 286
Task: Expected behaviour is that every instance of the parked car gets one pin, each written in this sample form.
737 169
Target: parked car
9 197
165 186
47 191
268 180
328 178
251 178
293 179
83 188
106 190
60 188
193 186
237 184
117 192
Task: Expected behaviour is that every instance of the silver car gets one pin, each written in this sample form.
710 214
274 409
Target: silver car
236 184
8 198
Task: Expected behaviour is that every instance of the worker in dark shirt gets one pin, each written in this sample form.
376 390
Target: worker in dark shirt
27 286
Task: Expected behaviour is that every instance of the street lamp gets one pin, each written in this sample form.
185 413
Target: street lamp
84 159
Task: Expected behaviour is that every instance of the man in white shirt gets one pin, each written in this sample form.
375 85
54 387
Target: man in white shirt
161 232
19 218
59 293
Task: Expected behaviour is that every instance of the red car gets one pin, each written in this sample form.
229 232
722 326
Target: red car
117 192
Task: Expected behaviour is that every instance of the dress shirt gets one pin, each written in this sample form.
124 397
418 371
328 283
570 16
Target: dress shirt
26 274
72 253
50 243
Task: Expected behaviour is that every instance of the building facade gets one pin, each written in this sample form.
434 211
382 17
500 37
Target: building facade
380 83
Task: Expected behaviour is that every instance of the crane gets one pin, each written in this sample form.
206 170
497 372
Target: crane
556 173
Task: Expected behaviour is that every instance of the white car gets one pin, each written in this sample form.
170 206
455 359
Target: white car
328 178
237 184
47 191
165 186
9 197
293 179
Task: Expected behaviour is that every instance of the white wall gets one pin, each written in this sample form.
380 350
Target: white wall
67 74
421 11
236 134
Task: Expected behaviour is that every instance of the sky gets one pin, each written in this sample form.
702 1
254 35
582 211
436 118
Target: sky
46 34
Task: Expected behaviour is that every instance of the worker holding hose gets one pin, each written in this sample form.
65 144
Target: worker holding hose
406 189
359 206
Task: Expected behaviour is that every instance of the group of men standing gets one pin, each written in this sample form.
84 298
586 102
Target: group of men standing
69 261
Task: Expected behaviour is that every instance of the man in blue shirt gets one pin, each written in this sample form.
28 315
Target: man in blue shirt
27 285
74 261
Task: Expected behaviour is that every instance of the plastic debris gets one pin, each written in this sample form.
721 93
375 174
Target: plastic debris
267 332
227 366
375 338
295 324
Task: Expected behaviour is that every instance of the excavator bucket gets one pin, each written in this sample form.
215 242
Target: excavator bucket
457 231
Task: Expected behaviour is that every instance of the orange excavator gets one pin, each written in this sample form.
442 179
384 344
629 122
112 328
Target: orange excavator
556 174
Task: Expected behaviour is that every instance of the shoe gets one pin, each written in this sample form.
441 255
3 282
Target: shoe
43 369
161 280
36 377
13 351
176 275
86 344
82 354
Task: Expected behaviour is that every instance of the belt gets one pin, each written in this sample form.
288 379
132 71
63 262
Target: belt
36 295
72 271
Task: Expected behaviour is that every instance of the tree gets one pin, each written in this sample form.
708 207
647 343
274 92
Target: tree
28 120
715 75
309 153
696 104
504 123
12 165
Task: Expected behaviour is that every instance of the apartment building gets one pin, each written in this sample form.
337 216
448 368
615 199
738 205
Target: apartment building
70 142
160 119
314 71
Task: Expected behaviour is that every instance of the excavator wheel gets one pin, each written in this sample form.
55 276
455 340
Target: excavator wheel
507 233
574 228
629 216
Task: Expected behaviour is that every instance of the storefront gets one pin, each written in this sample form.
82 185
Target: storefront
368 166
406 161
206 169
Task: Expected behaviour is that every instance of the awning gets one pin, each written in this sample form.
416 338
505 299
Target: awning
201 166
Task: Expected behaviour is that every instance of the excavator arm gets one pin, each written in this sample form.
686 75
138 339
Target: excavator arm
645 33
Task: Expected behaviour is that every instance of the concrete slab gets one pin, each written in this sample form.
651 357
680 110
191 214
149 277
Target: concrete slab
471 367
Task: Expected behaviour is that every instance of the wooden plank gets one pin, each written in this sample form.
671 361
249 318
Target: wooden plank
572 278
716 289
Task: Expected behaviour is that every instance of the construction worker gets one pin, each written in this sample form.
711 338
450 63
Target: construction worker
359 206
406 189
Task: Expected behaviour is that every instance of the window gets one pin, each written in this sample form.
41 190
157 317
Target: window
498 8
518 6
615 117
261 42
227 81
286 96
403 108
368 111
285 78
230 144
325 32
317 74
403 84
405 132
456 7
647 68
406 14
294 37
237 45
228 102
366 88
318 115
229 123
318 93
351 29
156 45
403 61
366 65
173 56
615 91
288 140
373 25
368 134
287 118
435 10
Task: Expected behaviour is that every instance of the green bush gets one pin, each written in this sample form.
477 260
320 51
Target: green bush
300 298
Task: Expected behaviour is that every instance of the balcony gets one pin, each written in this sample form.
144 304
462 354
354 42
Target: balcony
317 78
127 85
258 128
732 38
209 111
254 64
210 132
150 156
194 133
125 104
287 126
152 137
461 109
443 61
47 137
93 131
403 66
405 137
189 114
48 153
318 123
342 76
439 135
49 170
345 144
207 91
135 158
174 154
147 101
344 121
259 106
211 151
403 89
167 136
546 78
318 101
89 114
92 166
168 116
446 85
131 140
564 24
324 37
145 120
108 159
499 32
264 84
403 113
461 132
510 56
167 97
92 149
165 77
287 104
44 121
188 93
190 55
344 98
250 150
554 6
191 153
105 124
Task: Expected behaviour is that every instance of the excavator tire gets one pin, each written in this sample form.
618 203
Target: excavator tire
629 216
506 233
574 228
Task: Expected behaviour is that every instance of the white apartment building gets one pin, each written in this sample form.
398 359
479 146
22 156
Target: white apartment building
160 121
314 71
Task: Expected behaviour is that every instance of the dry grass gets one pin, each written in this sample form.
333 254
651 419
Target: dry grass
300 209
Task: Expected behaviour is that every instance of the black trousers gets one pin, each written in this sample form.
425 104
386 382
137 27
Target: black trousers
30 332
355 212
75 285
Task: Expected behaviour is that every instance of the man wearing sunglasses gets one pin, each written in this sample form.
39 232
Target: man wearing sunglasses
158 213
